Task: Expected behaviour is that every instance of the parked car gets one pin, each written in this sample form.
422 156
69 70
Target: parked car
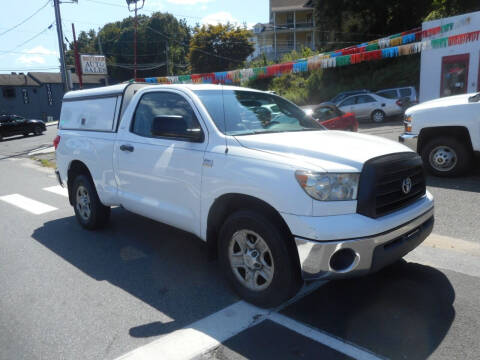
333 118
339 97
445 132
408 92
371 106
275 198
11 125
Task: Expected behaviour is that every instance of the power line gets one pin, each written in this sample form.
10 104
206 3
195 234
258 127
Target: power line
152 11
27 41
30 69
26 19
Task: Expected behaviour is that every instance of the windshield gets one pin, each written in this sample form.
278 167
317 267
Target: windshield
249 112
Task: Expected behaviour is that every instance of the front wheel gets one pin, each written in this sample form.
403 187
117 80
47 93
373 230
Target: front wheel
90 212
378 116
256 257
446 156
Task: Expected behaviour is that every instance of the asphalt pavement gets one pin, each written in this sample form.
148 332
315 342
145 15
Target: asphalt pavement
139 289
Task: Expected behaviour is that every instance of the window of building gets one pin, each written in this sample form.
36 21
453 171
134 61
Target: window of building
454 75
9 92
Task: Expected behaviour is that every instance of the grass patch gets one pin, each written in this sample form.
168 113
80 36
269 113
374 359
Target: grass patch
46 163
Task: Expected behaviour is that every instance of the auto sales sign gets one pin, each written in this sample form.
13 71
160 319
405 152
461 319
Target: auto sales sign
93 64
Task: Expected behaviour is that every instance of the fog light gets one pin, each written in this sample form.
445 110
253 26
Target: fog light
342 259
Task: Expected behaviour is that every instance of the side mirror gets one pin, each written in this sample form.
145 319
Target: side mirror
175 126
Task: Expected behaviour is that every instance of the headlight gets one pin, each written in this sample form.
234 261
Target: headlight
328 187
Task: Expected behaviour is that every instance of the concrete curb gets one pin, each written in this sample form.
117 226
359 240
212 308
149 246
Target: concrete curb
51 123
44 150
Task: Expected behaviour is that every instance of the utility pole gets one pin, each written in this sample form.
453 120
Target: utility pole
166 58
78 68
136 8
58 20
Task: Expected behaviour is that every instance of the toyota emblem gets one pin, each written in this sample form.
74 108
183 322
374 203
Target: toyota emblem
406 185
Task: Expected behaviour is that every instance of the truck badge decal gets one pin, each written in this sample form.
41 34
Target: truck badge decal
406 185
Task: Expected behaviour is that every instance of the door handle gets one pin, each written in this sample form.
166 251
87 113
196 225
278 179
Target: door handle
128 148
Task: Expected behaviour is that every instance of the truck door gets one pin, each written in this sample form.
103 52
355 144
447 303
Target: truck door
159 176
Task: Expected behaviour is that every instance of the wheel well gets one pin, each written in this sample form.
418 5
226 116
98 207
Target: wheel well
76 168
458 132
227 204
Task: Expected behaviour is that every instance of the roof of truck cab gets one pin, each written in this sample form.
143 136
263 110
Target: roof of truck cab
119 89
98 91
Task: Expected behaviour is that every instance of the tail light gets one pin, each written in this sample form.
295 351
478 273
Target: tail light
399 102
56 141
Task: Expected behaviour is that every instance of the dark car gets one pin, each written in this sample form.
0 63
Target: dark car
343 95
11 125
330 116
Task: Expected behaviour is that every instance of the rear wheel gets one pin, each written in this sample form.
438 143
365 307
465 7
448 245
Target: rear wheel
256 258
90 212
446 156
378 116
37 130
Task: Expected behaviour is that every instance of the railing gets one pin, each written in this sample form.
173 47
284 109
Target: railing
288 26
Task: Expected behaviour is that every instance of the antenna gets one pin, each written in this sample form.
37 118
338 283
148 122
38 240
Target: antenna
224 120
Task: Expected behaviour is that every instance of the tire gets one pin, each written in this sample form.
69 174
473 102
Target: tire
446 156
37 130
378 116
281 274
90 212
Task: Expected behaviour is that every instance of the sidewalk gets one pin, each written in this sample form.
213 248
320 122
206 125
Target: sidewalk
51 123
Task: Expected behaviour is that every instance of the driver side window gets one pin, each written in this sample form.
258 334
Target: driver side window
158 104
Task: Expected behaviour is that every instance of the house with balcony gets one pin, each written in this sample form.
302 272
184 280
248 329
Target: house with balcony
291 27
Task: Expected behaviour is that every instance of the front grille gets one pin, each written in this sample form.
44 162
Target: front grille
380 187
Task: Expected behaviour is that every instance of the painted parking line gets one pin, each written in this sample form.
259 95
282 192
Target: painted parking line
323 338
27 204
203 336
57 190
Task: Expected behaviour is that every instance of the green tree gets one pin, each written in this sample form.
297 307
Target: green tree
219 47
155 33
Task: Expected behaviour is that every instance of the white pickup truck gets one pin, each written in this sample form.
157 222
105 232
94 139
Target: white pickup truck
275 196
445 132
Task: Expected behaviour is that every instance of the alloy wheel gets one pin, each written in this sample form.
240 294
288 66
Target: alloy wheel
83 203
251 260
443 158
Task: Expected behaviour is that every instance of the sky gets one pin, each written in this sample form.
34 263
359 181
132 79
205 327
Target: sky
28 42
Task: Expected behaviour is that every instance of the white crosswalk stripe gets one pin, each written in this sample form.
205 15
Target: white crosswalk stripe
57 190
27 204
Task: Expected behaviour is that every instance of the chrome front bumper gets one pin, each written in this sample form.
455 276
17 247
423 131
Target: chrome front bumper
354 257
409 140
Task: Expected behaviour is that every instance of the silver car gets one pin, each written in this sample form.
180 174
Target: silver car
371 106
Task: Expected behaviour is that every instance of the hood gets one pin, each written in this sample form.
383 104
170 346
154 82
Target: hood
326 150
35 121
441 102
